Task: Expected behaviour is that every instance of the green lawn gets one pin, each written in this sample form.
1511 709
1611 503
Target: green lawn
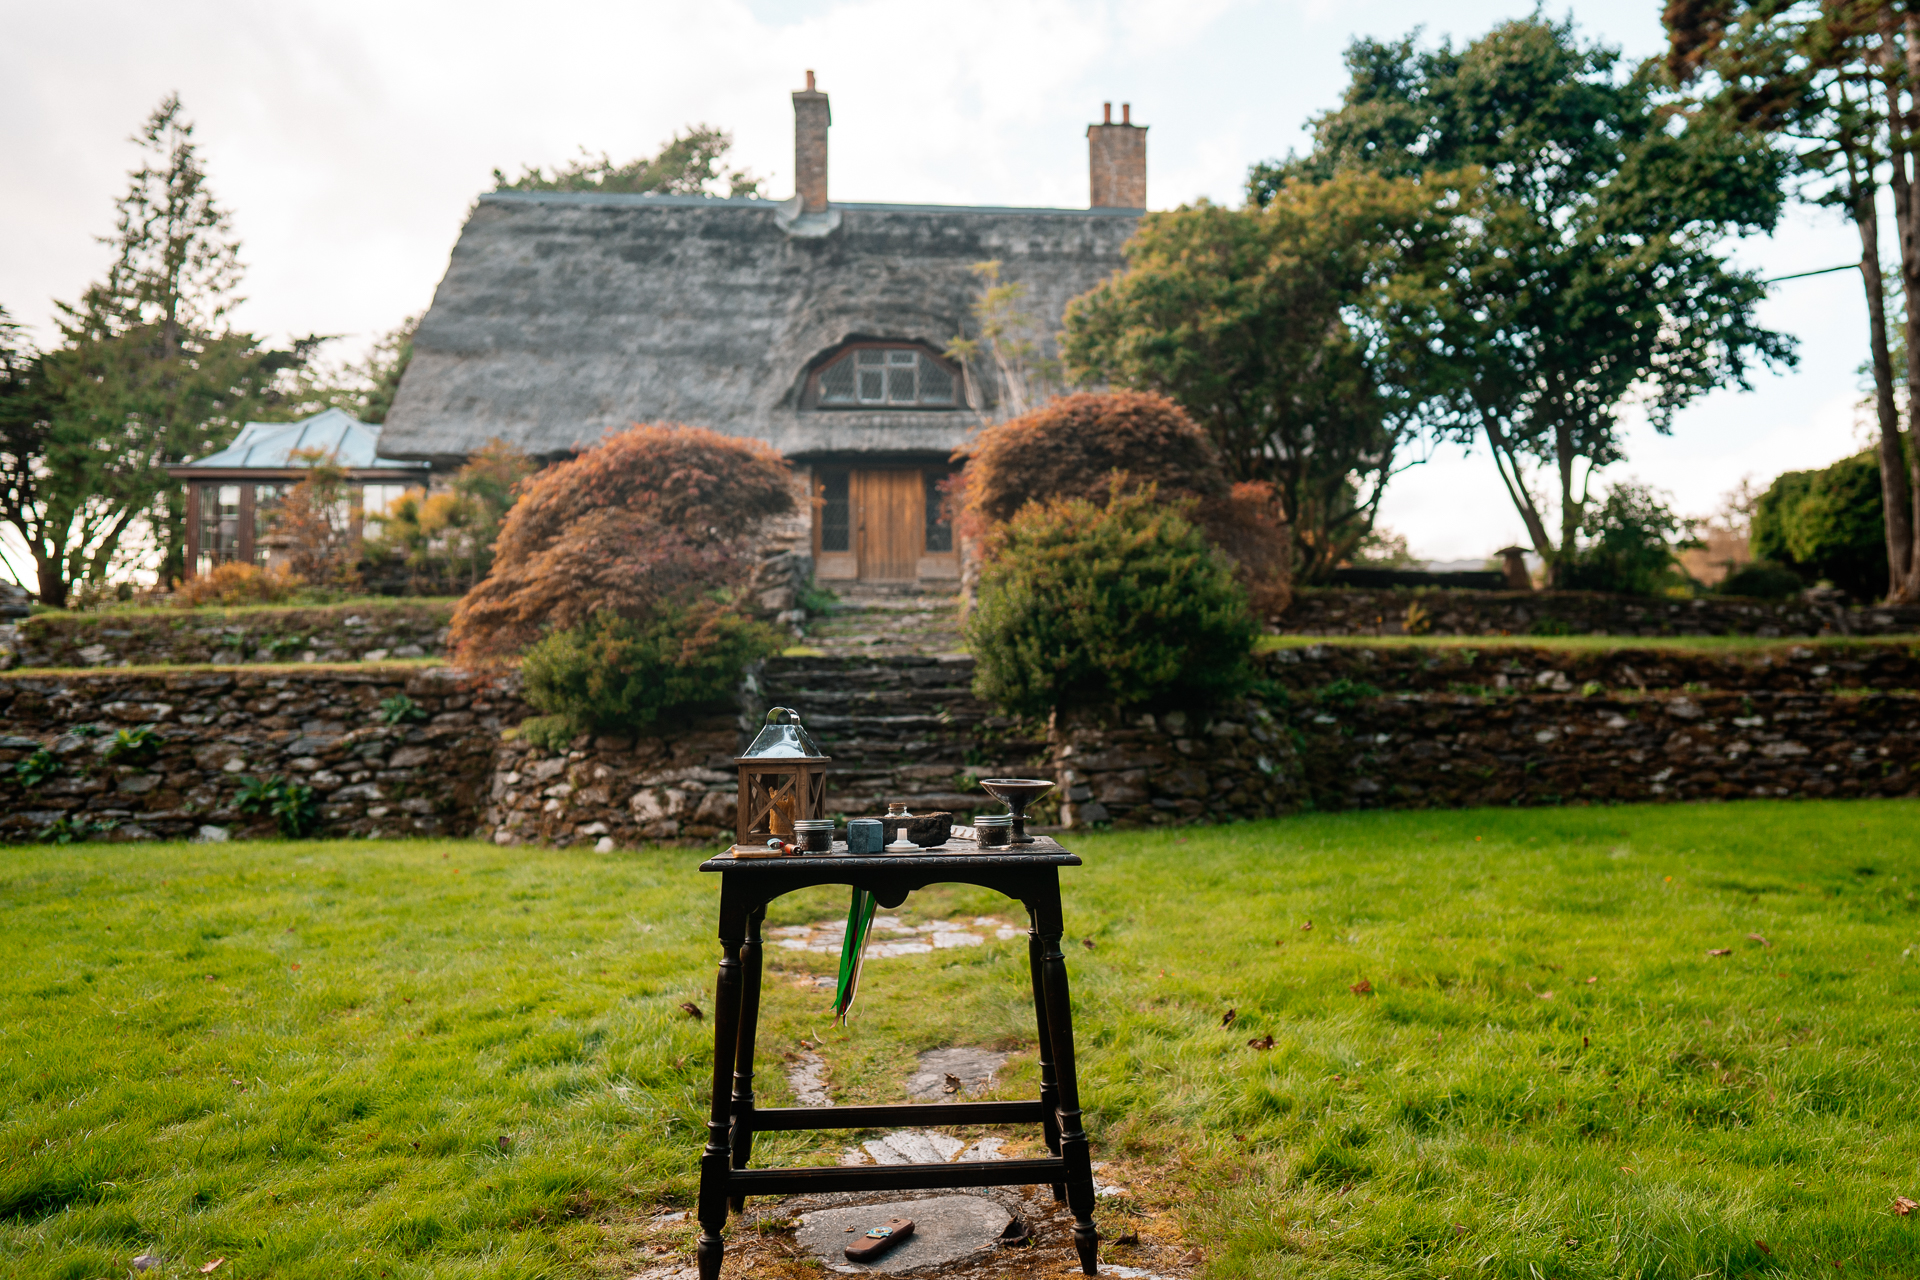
303 1057
1573 644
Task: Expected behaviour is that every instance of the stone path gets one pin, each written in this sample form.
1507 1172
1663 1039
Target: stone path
946 1229
890 938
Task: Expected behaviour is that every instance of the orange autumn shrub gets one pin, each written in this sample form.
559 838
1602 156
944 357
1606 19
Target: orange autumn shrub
652 516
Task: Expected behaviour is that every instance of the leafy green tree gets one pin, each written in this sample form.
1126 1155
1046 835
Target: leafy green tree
1827 524
692 163
150 373
1597 271
1835 86
370 385
1297 334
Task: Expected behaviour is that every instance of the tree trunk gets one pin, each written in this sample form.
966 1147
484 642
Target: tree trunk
1503 462
1569 510
52 583
1903 571
1896 488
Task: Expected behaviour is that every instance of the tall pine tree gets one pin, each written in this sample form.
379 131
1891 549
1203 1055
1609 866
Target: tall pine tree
151 373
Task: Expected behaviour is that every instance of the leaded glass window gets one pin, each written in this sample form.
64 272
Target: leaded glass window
836 512
888 377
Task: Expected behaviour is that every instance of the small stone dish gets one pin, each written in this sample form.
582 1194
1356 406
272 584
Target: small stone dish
928 830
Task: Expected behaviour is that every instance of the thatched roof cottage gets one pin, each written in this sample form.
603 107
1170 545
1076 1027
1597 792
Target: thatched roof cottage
816 326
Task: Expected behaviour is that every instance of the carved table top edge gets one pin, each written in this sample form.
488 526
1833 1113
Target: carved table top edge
1043 852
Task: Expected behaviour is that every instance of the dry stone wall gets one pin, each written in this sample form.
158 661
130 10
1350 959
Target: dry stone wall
166 637
1349 612
1418 727
1335 727
426 773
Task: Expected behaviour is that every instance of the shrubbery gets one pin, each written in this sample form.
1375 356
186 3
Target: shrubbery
1082 445
1762 581
234 583
446 539
1118 605
654 515
1627 545
619 576
1827 524
617 674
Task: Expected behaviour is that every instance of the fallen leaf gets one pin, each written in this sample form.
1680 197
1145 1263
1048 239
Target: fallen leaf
505 1141
1591 981
1307 927
1264 1042
952 1085
1721 951
692 1010
295 966
1754 937
1226 1019
1459 1229
211 1265
1131 1237
1239 1137
1761 1245
1087 943
1362 988
1904 1206
1626 1168
146 1262
1544 995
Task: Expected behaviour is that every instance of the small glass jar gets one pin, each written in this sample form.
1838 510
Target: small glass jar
898 809
994 830
815 835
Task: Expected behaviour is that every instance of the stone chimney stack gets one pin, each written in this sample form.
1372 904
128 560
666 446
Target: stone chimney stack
810 120
1117 158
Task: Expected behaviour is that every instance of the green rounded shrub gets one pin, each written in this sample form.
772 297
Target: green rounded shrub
1119 605
1827 524
1761 581
619 675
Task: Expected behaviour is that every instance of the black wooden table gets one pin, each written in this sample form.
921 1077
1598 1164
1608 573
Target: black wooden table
1032 875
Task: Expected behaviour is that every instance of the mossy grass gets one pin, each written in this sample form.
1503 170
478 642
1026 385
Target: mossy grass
1581 644
221 611
303 1057
163 668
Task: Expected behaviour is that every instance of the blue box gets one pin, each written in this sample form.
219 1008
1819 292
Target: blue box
866 835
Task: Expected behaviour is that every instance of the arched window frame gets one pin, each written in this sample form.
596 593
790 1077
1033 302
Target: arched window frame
850 356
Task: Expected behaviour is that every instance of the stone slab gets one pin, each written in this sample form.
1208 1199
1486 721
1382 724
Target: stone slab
973 1068
946 1229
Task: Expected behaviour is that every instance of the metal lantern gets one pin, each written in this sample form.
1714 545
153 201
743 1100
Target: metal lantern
783 776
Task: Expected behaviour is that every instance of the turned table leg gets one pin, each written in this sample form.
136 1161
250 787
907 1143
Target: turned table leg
1073 1139
750 964
1049 1090
716 1160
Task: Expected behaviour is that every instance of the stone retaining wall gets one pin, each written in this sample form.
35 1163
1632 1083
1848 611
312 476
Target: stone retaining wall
330 633
1348 612
1405 726
1336 726
425 774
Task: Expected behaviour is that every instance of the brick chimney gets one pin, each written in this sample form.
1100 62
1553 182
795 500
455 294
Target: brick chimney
1117 160
810 120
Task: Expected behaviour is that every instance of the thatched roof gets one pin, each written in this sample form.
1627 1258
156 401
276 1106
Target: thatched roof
565 315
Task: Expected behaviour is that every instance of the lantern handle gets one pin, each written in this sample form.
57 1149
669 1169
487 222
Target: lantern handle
783 715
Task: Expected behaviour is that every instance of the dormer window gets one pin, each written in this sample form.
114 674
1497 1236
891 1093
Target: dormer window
884 377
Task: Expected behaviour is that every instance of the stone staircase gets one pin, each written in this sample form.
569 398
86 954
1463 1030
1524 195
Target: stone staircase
883 621
902 725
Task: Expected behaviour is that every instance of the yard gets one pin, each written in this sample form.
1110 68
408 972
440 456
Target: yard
1673 1041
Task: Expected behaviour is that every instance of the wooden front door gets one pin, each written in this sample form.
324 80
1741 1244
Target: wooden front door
886 505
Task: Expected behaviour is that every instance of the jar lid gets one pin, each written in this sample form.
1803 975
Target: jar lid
994 820
813 824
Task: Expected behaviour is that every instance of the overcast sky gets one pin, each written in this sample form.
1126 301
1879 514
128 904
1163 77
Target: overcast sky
349 139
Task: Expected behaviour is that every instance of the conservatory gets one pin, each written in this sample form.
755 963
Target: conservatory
233 495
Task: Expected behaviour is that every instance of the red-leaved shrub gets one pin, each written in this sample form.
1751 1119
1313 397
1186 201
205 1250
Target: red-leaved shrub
1080 446
653 515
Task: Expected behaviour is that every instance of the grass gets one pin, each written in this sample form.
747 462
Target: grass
1582 644
172 668
132 610
303 1057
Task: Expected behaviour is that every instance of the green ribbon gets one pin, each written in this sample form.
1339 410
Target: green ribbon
852 948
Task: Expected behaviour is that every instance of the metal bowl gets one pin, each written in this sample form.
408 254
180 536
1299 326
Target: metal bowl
928 830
